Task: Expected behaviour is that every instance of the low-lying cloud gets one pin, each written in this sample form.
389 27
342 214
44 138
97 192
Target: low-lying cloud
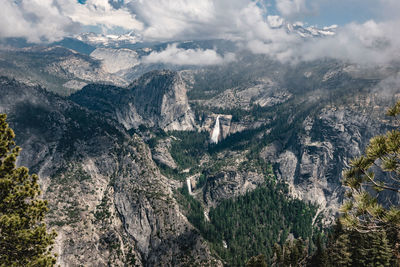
367 43
195 57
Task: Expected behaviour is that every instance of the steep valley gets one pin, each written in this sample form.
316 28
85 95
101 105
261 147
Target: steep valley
162 171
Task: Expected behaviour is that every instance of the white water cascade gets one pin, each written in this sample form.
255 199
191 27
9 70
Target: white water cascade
189 185
215 132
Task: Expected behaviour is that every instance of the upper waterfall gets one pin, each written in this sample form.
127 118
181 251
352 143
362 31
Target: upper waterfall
215 132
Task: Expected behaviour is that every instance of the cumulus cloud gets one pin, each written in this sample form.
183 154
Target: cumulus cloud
49 20
367 43
294 8
100 12
195 57
35 20
193 19
247 22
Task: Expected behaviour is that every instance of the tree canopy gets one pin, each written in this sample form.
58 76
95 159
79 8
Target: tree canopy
24 240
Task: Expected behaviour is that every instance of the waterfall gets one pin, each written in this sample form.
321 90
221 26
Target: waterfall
215 132
206 216
189 185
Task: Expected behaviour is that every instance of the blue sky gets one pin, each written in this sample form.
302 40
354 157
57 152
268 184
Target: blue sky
340 12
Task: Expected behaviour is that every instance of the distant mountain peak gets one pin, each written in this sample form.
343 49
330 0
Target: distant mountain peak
109 39
277 22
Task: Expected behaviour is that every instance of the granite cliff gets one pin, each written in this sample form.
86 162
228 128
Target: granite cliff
157 99
109 202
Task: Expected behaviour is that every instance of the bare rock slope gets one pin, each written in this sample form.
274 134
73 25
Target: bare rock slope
157 99
109 203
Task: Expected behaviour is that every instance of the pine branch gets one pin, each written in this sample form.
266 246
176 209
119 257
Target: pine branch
379 185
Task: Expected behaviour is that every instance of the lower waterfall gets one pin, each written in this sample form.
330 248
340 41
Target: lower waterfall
189 185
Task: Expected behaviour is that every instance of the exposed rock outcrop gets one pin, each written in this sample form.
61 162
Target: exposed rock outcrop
265 93
162 155
58 69
313 161
157 99
108 201
116 60
231 183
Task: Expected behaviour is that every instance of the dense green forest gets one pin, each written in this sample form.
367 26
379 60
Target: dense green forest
346 247
251 224
188 147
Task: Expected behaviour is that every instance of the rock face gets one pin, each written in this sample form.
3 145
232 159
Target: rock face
162 155
228 184
208 124
227 126
78 67
265 94
116 60
157 99
313 161
109 203
57 69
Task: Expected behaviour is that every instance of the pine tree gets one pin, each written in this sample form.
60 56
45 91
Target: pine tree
292 253
376 171
360 243
339 247
378 253
257 261
339 252
362 211
277 260
24 240
320 257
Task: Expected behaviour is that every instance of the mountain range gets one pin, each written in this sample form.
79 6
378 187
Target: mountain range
142 162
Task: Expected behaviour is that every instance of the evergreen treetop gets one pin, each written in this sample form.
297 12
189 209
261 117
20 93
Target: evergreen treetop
24 240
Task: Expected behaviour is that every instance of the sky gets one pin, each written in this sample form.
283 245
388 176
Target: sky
328 12
368 29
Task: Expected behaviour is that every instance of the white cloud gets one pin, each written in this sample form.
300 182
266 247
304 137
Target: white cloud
100 12
275 21
34 20
367 43
243 21
196 57
293 8
189 19
49 20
